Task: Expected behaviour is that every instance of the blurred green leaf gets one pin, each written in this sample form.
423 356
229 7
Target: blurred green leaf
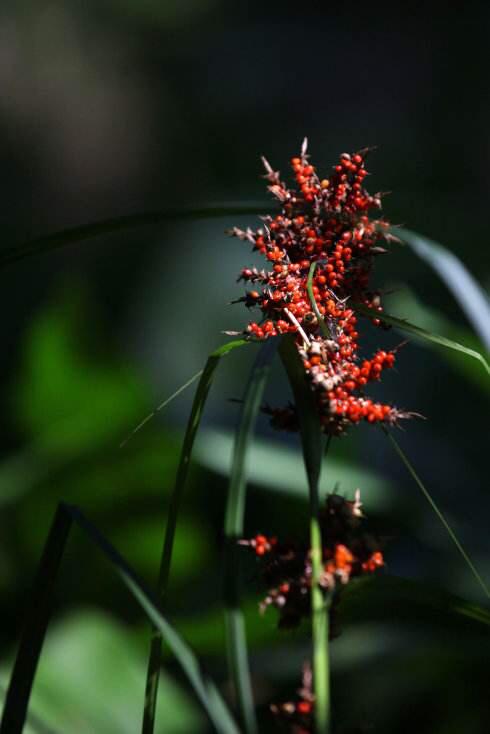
275 467
91 679
466 290
141 539
147 467
66 400
38 614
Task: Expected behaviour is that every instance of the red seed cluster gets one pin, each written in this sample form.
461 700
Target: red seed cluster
348 551
327 222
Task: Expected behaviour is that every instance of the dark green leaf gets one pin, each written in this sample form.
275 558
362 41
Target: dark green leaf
38 614
154 660
422 333
385 597
119 224
234 518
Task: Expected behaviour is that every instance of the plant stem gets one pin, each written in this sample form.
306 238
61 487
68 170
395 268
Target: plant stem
320 618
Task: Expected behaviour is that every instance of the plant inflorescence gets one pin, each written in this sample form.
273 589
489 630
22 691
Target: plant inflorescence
320 250
324 239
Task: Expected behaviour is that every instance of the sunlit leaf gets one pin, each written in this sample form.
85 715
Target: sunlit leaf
275 467
91 679
38 614
466 290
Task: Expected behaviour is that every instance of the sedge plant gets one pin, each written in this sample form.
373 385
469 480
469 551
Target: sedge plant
315 288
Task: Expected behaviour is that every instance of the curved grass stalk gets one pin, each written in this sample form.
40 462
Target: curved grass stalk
438 512
234 529
154 661
72 235
160 407
422 333
399 323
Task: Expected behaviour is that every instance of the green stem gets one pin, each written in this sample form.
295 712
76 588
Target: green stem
320 617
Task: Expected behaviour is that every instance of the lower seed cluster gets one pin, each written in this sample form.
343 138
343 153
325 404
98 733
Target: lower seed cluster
349 551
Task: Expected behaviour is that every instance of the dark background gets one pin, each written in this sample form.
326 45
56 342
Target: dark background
118 106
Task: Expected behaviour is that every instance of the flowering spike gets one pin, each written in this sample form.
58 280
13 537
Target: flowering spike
348 551
324 221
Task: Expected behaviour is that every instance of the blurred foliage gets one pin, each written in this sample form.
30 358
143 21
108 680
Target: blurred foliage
73 402
91 679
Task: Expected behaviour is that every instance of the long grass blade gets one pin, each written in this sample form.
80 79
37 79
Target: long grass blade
30 647
70 236
438 512
160 407
422 333
312 441
154 660
35 625
465 289
234 529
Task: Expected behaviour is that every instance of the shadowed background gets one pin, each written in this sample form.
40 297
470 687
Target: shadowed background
119 106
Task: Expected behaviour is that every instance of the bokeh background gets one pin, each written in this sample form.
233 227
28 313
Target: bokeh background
119 106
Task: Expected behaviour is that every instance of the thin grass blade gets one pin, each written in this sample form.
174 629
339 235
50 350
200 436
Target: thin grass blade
234 528
160 407
154 660
313 442
438 512
422 333
17 701
70 236
465 289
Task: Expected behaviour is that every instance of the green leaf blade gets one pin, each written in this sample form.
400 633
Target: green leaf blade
404 325
234 528
154 660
